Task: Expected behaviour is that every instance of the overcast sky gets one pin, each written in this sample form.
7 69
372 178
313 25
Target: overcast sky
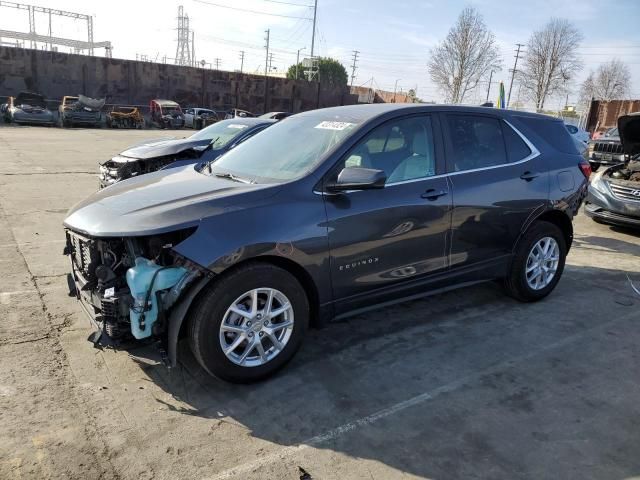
393 37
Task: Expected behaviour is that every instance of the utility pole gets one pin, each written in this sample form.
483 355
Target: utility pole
193 49
353 66
298 60
241 60
395 88
217 61
266 70
513 72
313 32
266 60
489 87
270 61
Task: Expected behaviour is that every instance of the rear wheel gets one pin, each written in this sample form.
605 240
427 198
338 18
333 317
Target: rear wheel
249 323
538 263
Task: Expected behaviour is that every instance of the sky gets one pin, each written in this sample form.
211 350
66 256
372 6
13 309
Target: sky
393 37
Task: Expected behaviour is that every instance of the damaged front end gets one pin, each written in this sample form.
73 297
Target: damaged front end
151 157
614 194
120 167
128 286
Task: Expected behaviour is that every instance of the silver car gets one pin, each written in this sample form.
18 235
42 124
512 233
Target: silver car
28 108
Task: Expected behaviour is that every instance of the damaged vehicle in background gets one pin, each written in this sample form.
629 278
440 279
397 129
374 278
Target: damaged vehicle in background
199 118
27 108
330 213
125 117
606 150
276 115
614 193
80 110
166 114
200 148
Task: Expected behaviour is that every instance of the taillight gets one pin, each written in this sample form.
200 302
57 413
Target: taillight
585 168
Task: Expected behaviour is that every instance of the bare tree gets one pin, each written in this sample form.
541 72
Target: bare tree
611 80
551 60
466 56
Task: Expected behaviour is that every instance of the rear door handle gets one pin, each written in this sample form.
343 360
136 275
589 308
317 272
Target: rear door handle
528 176
432 194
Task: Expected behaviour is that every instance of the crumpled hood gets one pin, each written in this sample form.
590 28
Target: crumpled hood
629 129
30 100
160 148
160 202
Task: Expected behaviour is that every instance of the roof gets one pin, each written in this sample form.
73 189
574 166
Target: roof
161 101
362 113
250 121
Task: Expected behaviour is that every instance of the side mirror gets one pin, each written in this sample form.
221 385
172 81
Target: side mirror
356 178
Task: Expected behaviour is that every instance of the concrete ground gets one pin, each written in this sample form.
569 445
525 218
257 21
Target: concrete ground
469 384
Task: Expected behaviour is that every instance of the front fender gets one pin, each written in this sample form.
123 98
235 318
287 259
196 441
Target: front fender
291 228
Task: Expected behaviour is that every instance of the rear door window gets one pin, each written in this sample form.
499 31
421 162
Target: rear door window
476 141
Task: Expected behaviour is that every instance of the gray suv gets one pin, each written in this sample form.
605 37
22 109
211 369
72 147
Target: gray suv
330 213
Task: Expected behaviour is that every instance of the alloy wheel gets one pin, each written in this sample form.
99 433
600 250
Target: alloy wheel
256 327
542 263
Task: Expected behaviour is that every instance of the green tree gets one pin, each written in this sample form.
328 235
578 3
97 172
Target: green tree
330 71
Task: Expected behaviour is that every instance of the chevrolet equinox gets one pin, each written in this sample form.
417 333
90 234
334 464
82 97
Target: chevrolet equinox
329 213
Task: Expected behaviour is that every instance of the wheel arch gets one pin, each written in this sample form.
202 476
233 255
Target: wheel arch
561 220
180 313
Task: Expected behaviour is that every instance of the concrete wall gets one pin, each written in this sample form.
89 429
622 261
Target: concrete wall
604 115
136 83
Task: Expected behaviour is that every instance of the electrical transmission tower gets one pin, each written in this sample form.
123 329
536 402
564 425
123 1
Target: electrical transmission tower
183 50
49 40
354 65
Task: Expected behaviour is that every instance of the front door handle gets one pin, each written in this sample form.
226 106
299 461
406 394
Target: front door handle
432 194
528 176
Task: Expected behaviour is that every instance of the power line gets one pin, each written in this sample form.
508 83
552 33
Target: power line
246 10
288 3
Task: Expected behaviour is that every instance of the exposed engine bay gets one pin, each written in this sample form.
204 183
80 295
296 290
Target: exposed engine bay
121 167
627 172
127 284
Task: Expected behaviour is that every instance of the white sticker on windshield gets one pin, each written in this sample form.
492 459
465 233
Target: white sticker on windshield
235 125
327 125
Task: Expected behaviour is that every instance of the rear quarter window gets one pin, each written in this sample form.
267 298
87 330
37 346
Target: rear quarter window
552 131
517 149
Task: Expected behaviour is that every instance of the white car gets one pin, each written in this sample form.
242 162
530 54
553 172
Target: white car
199 117
578 133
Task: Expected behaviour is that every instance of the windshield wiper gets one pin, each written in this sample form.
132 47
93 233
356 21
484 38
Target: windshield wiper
211 161
230 176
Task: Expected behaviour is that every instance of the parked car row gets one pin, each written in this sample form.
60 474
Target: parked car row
327 214
31 108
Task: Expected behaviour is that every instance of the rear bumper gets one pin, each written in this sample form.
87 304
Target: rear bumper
33 119
80 119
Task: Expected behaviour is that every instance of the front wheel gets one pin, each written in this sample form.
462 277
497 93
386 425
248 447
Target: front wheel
249 323
538 263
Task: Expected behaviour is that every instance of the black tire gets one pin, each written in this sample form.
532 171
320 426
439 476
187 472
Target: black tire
208 314
515 283
594 167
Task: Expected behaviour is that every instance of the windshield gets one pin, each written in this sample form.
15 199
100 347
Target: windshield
286 150
170 109
220 133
